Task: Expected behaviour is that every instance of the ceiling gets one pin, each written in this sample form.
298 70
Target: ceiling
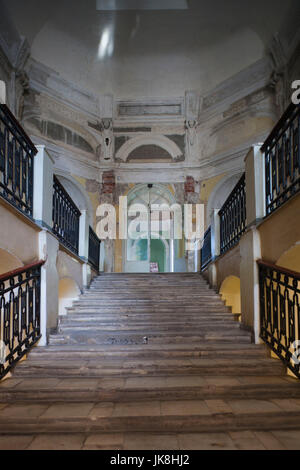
157 53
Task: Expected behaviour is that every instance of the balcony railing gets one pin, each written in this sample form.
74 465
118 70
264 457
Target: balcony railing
16 162
233 217
19 314
282 160
65 217
94 249
206 254
280 313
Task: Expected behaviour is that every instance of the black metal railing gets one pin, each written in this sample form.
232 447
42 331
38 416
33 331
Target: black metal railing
280 313
94 249
282 160
65 217
233 217
206 254
19 314
16 162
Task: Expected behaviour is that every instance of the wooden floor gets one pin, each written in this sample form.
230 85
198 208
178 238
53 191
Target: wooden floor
150 362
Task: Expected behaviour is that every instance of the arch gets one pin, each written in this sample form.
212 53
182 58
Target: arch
2 92
68 291
8 261
154 139
290 259
230 291
77 193
160 194
220 193
160 189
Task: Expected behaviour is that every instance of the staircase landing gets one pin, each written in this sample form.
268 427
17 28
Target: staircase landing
150 361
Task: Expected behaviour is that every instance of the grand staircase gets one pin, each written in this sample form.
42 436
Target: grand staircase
150 361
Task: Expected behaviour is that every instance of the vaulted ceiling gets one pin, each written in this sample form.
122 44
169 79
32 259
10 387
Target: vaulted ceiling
140 53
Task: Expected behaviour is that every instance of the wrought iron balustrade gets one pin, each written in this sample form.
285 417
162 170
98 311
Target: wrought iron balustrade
206 255
19 314
233 217
282 160
94 249
16 162
65 217
280 313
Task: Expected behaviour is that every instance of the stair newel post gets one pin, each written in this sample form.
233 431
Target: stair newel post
84 247
48 244
43 187
48 248
255 185
250 243
215 245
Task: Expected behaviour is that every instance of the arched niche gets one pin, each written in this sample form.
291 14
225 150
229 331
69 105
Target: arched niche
169 148
77 193
231 293
290 259
219 195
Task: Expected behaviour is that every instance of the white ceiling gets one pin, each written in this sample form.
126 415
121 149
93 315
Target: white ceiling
152 53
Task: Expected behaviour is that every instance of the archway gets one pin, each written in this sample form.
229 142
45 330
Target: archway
78 194
169 149
231 293
155 241
219 195
68 291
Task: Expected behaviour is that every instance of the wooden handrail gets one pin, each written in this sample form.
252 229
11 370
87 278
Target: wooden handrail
289 272
21 270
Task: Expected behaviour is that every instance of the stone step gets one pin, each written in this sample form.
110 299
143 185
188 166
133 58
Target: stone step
153 297
153 416
140 311
163 317
161 306
141 353
81 337
132 324
180 387
183 348
152 327
166 367
147 317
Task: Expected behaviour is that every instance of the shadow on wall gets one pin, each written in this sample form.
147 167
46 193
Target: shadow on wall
231 293
290 259
8 262
68 291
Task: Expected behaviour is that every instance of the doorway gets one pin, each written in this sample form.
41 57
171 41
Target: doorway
152 250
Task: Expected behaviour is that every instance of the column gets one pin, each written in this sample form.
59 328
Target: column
83 251
255 185
250 251
43 187
48 249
